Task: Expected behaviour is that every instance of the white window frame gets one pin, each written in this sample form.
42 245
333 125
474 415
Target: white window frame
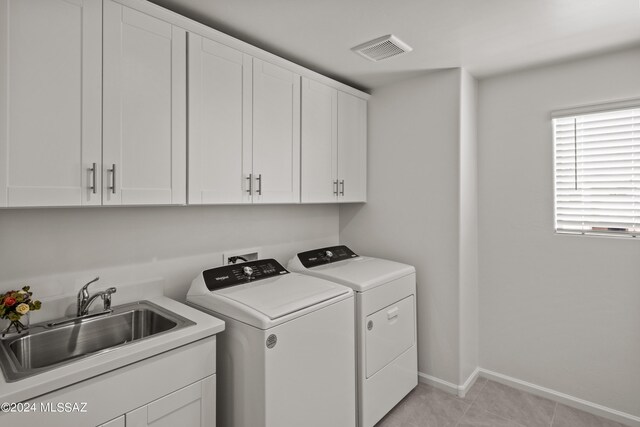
630 202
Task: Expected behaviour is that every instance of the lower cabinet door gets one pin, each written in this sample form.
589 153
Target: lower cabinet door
191 406
118 422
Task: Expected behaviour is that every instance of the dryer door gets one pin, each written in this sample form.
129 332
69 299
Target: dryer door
390 332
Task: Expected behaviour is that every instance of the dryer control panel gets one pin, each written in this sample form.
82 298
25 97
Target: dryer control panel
237 274
323 256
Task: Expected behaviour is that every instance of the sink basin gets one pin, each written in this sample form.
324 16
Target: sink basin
50 345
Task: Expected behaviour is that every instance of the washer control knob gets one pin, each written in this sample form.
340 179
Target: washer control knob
328 254
248 271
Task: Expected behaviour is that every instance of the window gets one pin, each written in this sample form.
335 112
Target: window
597 172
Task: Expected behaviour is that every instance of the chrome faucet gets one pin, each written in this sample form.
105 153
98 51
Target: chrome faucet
85 300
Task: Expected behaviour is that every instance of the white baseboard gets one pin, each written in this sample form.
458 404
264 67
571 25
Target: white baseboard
556 396
565 399
464 388
458 390
438 383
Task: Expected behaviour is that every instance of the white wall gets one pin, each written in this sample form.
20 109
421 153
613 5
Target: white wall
57 249
412 214
558 311
468 237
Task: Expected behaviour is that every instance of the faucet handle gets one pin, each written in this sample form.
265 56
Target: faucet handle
84 288
83 297
106 298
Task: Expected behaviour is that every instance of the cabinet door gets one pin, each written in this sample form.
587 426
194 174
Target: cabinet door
144 134
192 406
352 148
118 422
219 123
50 89
276 134
319 143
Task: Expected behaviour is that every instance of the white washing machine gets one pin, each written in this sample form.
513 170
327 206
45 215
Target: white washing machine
385 323
287 355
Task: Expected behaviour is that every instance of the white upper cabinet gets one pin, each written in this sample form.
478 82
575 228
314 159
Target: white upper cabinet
276 134
352 148
319 143
334 145
244 127
219 123
50 126
144 116
93 111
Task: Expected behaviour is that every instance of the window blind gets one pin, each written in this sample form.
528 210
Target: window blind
597 172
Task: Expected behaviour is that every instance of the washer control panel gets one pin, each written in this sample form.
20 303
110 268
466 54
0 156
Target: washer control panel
237 274
323 256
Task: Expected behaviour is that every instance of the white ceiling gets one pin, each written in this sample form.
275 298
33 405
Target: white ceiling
484 36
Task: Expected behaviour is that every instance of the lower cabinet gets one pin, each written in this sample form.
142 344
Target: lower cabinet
191 406
174 388
118 422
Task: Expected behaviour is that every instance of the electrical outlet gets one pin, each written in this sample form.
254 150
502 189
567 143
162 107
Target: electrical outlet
249 254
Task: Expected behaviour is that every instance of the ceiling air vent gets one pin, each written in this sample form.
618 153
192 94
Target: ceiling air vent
382 48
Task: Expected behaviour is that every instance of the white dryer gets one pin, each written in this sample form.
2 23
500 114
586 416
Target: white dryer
385 323
287 355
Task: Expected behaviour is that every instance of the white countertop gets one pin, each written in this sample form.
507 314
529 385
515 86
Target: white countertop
91 366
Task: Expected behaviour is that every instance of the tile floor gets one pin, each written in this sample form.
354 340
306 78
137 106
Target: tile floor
487 404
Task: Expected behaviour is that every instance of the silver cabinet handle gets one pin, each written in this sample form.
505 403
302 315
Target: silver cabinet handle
259 179
335 191
250 178
113 179
93 182
342 189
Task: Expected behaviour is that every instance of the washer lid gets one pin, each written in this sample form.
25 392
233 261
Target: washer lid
283 295
361 273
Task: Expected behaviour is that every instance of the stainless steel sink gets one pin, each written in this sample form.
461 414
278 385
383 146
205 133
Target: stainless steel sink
50 345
